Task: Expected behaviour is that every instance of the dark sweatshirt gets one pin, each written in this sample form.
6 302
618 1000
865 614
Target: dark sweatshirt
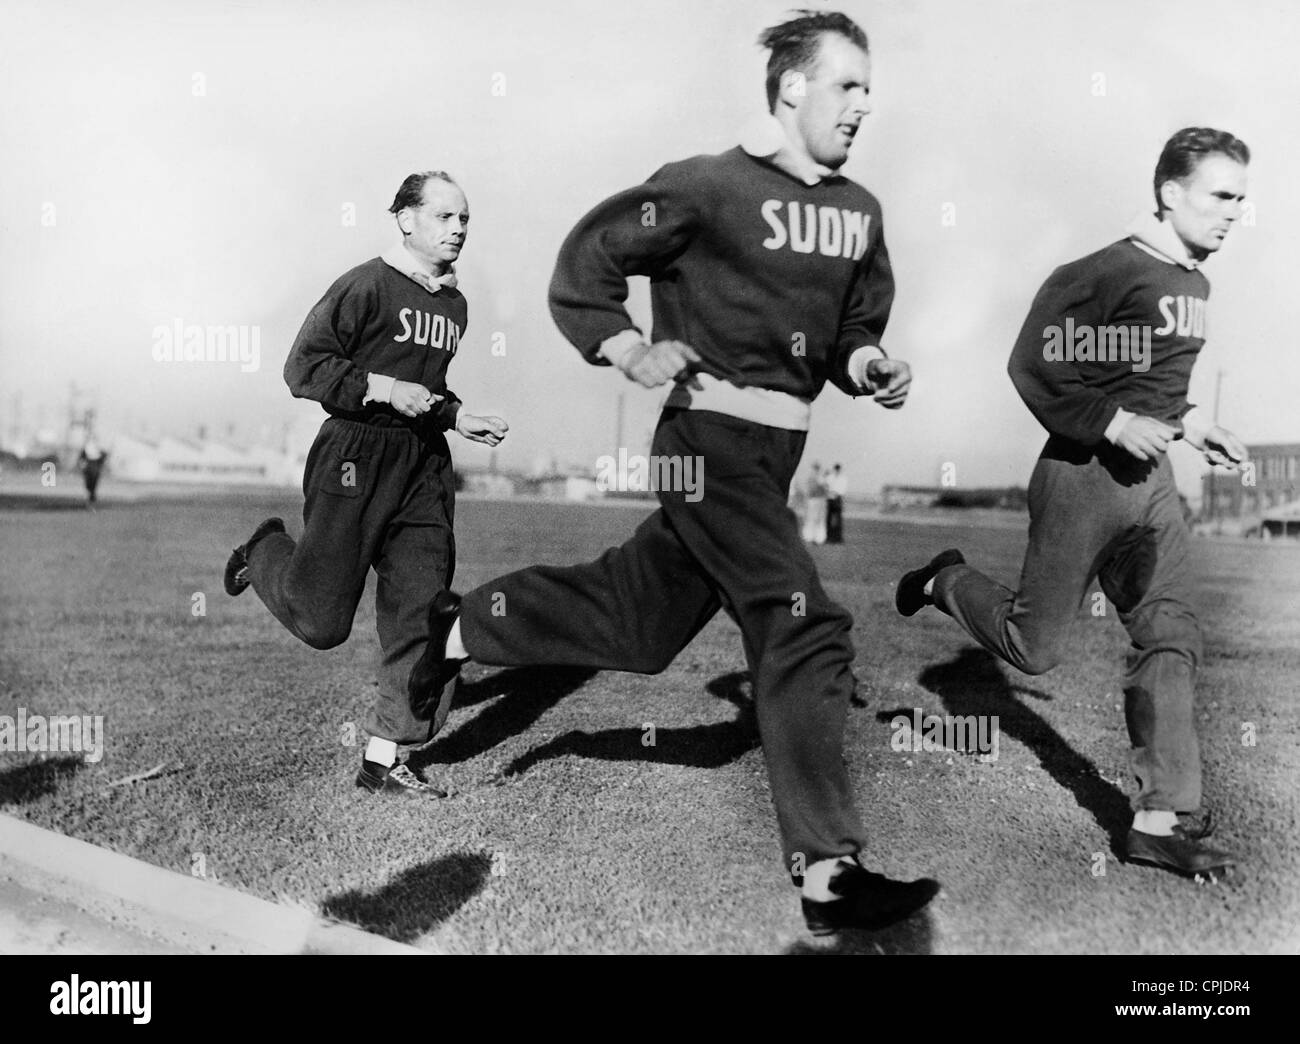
772 281
1160 305
374 319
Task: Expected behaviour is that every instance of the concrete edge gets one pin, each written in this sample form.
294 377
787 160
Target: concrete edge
196 916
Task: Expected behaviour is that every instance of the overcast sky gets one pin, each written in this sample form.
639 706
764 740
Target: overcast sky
201 161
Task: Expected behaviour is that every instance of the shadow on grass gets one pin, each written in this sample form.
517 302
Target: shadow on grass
416 901
913 936
523 683
35 780
973 683
700 746
526 693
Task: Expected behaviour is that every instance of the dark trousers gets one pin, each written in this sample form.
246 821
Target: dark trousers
381 497
636 606
1110 517
834 520
90 475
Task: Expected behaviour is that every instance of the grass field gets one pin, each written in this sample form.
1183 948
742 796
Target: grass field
565 832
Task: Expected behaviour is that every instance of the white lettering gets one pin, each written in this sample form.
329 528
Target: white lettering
771 208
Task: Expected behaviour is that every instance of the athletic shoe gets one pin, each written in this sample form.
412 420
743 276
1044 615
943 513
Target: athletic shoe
399 781
433 673
867 900
236 579
1183 852
910 598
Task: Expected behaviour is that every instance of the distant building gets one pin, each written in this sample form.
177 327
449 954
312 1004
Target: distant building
1281 522
1272 484
558 486
1010 498
570 487
894 497
487 483
208 462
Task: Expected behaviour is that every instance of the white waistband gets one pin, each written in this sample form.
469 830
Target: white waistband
776 409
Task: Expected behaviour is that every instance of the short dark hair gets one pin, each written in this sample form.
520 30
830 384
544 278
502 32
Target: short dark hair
411 194
794 44
1184 152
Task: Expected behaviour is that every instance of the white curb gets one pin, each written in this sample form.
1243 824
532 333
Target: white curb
196 916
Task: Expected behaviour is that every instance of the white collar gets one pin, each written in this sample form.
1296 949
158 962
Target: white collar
766 138
1159 239
400 258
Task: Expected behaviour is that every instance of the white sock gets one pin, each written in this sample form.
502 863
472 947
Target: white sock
455 647
929 588
1155 821
381 752
817 878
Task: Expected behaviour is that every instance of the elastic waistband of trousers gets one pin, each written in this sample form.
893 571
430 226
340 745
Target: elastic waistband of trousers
428 433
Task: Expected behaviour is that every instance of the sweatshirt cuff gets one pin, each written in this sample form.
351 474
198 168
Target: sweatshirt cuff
857 366
378 388
445 413
616 348
1196 425
1122 417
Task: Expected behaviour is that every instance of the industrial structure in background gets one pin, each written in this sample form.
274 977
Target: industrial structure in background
1263 499
276 458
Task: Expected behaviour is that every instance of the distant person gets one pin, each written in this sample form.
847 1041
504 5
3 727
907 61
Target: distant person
737 266
91 461
837 485
814 507
379 486
1102 499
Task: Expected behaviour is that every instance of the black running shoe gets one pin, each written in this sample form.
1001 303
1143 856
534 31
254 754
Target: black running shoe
399 782
910 598
867 900
236 578
1183 852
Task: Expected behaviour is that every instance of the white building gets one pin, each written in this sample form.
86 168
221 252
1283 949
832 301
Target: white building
209 462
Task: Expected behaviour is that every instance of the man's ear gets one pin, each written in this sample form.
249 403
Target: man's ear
404 221
1170 193
793 87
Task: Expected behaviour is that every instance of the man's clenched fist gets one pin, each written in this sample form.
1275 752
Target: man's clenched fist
651 365
890 380
411 400
1223 448
487 430
1145 437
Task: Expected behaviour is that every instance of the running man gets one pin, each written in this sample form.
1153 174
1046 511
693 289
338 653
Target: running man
1103 361
769 277
379 487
